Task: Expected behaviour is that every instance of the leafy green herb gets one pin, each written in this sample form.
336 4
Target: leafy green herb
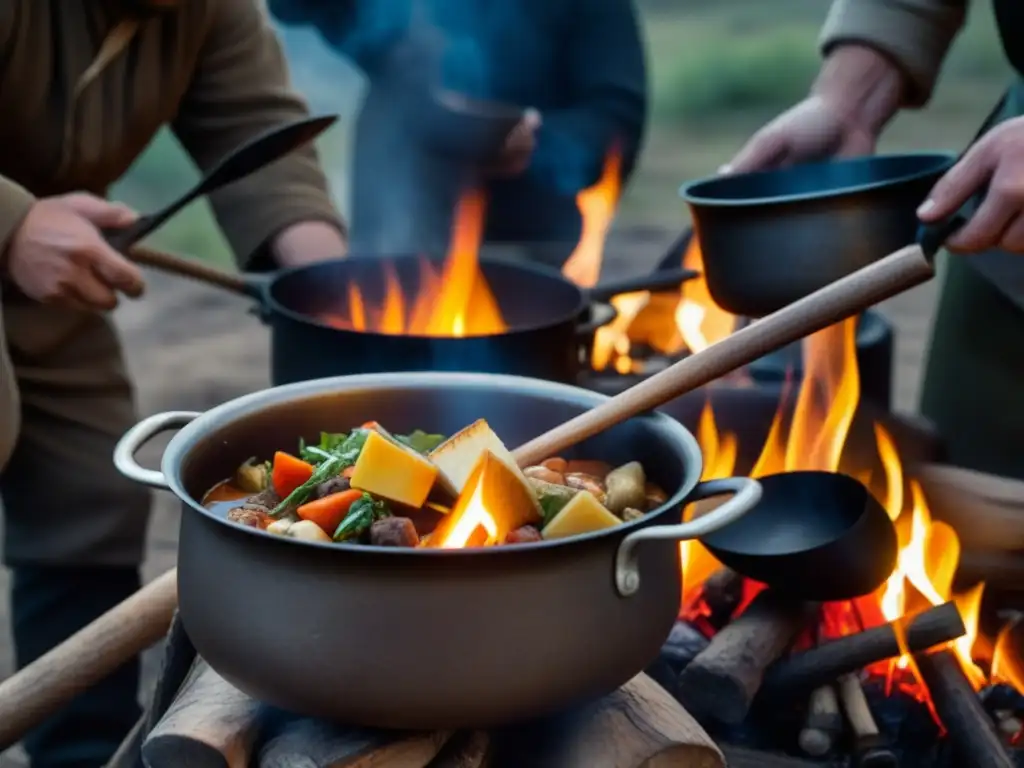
329 443
363 513
420 441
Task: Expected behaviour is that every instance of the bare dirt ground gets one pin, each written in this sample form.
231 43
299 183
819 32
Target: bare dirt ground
192 347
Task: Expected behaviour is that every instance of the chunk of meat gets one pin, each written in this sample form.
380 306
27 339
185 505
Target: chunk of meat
394 532
334 485
265 499
250 516
523 535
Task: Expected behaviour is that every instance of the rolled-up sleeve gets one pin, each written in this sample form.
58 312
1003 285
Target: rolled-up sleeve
915 34
241 89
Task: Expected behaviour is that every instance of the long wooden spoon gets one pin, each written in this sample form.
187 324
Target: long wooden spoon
33 693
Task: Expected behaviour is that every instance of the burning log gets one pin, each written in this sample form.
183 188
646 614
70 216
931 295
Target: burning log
742 757
823 724
971 732
212 725
824 663
722 592
869 748
723 679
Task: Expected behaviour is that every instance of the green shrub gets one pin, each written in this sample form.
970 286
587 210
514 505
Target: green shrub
724 73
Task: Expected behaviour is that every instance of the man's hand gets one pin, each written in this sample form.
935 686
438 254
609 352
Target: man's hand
855 95
515 155
58 255
998 161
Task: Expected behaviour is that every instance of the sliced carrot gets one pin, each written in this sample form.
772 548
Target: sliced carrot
348 472
369 425
329 511
289 472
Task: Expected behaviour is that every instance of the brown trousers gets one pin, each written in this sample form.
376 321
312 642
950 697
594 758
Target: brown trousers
65 399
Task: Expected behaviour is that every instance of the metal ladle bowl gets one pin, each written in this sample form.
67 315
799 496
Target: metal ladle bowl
814 535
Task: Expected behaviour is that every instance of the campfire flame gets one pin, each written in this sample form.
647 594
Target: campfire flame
453 301
812 438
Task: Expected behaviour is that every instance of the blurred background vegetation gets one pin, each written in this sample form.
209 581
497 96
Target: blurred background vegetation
718 70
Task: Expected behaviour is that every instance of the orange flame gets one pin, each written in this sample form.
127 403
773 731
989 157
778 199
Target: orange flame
597 206
457 302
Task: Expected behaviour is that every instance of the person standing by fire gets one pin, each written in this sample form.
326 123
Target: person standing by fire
884 55
577 64
84 86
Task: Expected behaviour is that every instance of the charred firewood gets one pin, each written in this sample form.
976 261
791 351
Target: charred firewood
823 723
870 749
722 592
722 680
970 731
802 672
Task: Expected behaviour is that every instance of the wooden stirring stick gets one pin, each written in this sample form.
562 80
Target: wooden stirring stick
898 272
35 692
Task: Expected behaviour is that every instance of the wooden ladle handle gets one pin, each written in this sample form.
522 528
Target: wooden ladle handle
844 298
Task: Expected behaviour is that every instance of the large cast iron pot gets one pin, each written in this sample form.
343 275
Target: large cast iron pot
421 638
772 237
551 321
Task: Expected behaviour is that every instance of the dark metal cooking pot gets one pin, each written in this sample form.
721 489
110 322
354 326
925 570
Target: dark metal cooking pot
425 638
551 320
773 237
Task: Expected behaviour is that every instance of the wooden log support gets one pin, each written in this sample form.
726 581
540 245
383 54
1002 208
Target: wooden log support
804 671
723 679
211 724
637 726
870 749
823 724
970 730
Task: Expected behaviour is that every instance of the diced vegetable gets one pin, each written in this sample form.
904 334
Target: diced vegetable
457 457
289 473
624 487
329 511
253 476
361 515
307 530
280 527
586 482
323 472
583 514
393 471
552 497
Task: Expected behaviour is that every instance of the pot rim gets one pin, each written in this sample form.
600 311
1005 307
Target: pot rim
179 446
941 160
271 302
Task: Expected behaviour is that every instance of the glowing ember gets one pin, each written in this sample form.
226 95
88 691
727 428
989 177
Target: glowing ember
455 302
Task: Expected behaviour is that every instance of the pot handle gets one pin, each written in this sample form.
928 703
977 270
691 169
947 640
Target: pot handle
747 493
601 314
138 436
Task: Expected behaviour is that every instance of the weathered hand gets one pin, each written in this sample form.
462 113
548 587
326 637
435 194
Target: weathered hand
58 254
998 161
814 129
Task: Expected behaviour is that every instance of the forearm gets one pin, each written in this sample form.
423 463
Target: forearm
308 242
863 84
914 35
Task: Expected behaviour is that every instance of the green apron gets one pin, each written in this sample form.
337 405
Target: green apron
973 388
